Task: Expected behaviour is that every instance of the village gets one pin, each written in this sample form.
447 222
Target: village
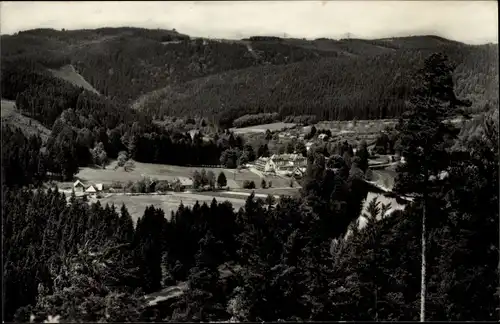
267 177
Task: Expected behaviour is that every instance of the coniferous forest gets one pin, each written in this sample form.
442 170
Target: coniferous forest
300 258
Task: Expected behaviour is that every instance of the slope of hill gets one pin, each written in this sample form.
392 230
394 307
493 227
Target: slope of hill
163 72
365 87
68 73
29 126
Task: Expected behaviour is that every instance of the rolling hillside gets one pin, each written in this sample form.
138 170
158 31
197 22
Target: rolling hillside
29 126
162 72
368 87
69 74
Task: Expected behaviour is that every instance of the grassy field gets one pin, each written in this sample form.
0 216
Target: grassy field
359 127
68 73
10 116
8 108
170 202
259 192
270 191
235 178
262 128
136 205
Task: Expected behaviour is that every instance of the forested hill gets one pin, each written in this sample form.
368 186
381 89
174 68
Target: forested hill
372 82
163 72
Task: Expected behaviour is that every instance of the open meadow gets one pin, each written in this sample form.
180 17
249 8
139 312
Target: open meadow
109 175
136 205
11 116
69 74
8 108
263 128
357 127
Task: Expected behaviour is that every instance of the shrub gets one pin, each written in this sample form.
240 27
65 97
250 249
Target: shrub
163 186
248 184
116 185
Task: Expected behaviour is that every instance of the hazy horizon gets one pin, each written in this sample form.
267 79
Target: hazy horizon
472 22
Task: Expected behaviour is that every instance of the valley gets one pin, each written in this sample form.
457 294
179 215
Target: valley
149 175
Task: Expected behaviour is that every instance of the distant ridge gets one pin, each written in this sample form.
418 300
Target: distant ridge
164 72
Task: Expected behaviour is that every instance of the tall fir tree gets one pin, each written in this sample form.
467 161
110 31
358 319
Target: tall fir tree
425 140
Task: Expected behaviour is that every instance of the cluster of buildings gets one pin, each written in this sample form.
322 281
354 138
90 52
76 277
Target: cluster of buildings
282 164
91 189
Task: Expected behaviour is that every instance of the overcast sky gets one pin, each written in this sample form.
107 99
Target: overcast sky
472 22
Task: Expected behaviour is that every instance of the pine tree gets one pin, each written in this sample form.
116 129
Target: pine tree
221 180
423 135
363 155
126 226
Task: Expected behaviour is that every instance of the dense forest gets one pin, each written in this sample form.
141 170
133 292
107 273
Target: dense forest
162 72
82 122
301 258
368 87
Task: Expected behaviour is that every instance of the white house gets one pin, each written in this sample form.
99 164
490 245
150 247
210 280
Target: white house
91 190
261 164
186 183
285 163
78 186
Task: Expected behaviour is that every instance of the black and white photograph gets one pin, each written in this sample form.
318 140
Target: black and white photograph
249 161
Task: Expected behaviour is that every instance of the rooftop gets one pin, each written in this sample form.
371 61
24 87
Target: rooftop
288 157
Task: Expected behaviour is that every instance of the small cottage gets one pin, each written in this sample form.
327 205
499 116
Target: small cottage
91 190
186 183
78 186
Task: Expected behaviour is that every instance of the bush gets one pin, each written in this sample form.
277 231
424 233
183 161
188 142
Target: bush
177 186
129 186
163 186
122 158
248 184
129 166
369 175
117 185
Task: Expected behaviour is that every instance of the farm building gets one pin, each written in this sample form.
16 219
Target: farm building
78 186
260 164
298 172
91 190
186 183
